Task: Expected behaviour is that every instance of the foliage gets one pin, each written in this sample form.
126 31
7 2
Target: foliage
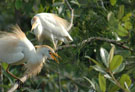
112 19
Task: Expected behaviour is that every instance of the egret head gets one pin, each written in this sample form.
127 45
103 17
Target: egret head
48 52
35 22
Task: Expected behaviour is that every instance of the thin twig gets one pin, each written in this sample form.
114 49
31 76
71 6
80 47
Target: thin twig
72 15
89 40
15 86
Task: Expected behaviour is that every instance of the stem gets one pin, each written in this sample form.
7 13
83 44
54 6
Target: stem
117 83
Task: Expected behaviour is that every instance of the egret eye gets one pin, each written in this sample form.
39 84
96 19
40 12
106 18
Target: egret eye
49 52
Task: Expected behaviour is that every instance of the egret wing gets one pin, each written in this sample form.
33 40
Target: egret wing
10 52
52 25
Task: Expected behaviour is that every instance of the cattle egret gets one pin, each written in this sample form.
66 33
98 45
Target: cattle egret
16 49
48 26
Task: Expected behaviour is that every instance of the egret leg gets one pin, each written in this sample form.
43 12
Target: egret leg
7 70
55 47
18 80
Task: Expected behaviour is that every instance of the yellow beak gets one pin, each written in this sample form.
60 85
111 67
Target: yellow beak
33 26
54 55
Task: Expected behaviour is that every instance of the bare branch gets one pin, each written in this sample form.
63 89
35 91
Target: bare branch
72 15
15 86
118 43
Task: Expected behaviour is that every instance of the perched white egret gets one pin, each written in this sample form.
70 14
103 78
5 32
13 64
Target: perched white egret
48 26
16 49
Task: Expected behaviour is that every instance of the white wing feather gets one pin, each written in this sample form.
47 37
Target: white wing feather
51 25
9 51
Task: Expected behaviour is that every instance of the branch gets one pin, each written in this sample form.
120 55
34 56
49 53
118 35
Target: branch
72 15
117 83
89 40
15 86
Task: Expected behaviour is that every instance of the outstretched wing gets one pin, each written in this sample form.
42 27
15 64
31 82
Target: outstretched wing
10 49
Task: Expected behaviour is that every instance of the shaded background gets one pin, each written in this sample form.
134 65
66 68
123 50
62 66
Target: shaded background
112 19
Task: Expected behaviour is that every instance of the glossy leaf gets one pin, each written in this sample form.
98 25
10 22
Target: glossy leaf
102 82
116 62
122 31
113 2
57 4
125 80
128 25
98 68
4 65
110 17
94 61
120 68
121 12
127 17
91 83
114 88
104 56
111 54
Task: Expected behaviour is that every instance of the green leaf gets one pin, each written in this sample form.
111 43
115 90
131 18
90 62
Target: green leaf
107 76
114 88
125 80
128 25
127 17
111 54
113 2
98 68
57 4
110 16
104 56
91 83
120 68
4 65
75 2
116 62
18 4
121 12
94 61
122 31
102 82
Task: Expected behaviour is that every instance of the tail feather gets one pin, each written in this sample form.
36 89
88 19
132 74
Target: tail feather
69 38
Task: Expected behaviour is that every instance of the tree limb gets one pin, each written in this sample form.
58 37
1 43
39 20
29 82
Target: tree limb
89 40
15 86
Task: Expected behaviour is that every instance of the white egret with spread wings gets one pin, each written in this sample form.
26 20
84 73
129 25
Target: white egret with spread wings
48 26
16 49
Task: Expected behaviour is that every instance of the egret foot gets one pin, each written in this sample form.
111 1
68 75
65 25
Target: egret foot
20 83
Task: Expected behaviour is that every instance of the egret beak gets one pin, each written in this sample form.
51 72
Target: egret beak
54 55
33 26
